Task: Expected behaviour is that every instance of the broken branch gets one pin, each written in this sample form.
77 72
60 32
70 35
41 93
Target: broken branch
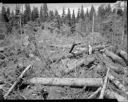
95 93
16 82
105 84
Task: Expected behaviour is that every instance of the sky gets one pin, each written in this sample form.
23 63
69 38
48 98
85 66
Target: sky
60 6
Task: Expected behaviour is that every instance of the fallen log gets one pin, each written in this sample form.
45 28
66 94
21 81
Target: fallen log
117 83
105 85
69 55
78 51
114 57
124 55
85 61
114 95
99 47
109 63
16 82
76 82
92 48
73 65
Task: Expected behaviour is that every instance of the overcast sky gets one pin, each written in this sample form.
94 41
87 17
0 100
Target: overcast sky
59 6
72 6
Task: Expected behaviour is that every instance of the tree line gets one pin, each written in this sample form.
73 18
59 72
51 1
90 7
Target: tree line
109 22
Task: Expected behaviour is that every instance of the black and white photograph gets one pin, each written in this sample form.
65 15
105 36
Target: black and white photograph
60 51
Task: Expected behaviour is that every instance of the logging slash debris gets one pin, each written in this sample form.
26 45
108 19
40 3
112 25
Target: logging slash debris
64 72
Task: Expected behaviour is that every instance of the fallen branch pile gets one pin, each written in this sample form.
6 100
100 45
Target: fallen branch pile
91 66
100 60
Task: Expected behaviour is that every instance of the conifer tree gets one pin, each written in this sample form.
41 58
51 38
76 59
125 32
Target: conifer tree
27 13
45 12
63 16
41 13
82 13
73 22
73 18
8 12
51 15
57 19
4 15
78 16
68 17
35 14
92 13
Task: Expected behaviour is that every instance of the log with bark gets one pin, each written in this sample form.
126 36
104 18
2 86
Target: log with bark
124 55
107 61
117 83
115 57
74 82
69 55
86 61
99 47
80 51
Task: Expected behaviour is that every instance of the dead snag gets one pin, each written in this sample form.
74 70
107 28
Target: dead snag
77 82
17 81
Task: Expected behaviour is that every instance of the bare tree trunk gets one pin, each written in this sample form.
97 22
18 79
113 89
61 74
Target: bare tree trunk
77 82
